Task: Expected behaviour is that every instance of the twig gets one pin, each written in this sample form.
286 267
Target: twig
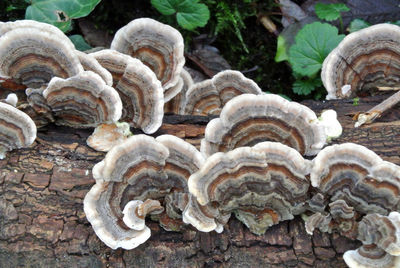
378 110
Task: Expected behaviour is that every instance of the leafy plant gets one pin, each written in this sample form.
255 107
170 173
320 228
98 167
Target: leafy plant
313 43
79 42
190 14
59 12
331 12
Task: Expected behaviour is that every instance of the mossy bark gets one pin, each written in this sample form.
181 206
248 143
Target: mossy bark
42 223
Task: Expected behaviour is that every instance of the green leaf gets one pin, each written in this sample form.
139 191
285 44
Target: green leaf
358 24
305 87
59 12
330 12
189 13
79 42
281 54
313 43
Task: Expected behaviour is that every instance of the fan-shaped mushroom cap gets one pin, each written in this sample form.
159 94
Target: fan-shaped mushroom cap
17 130
83 100
318 221
202 99
340 209
230 84
34 56
362 61
370 256
209 96
140 91
262 185
357 175
132 170
383 231
177 104
174 90
89 63
248 119
157 45
12 25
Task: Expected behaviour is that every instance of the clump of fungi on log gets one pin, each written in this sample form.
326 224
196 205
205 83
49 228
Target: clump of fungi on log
262 159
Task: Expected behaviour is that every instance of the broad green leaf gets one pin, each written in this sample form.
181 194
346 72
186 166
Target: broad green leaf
79 42
313 44
281 54
59 12
305 87
330 12
189 13
358 24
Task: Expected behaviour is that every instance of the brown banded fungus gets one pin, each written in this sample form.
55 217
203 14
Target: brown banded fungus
17 130
352 173
138 169
261 185
140 90
132 170
33 56
177 104
208 97
89 63
383 231
370 256
363 61
157 45
248 119
83 100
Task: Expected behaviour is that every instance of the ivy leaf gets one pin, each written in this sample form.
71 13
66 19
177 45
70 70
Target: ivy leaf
281 54
59 12
79 42
189 13
305 87
330 12
358 24
313 43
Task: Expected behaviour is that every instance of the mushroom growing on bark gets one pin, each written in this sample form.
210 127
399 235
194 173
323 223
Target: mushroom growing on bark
248 119
157 45
83 100
209 96
261 185
177 104
17 130
140 90
33 55
363 61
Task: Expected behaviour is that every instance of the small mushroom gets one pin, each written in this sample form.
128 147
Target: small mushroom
135 212
106 136
321 221
357 175
248 119
140 91
83 100
262 185
33 56
363 61
370 256
208 97
17 130
157 45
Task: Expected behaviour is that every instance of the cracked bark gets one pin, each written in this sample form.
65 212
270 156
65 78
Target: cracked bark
42 221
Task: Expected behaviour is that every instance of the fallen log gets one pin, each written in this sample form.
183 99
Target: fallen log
42 222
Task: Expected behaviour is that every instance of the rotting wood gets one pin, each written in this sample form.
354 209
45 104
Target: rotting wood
42 221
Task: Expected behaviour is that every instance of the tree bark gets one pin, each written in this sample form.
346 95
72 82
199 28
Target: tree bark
42 223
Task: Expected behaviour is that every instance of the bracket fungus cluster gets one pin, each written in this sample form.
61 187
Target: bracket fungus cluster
132 174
